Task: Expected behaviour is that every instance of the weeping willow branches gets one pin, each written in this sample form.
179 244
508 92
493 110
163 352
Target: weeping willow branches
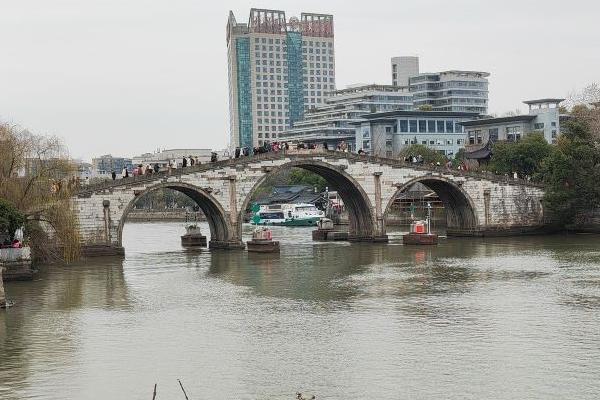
37 177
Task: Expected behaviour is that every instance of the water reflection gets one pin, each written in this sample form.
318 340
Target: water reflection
482 318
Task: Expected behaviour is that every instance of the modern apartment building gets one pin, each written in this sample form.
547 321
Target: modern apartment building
278 69
455 90
332 122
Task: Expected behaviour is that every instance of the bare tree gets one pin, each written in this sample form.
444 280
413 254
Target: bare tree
587 96
37 176
512 113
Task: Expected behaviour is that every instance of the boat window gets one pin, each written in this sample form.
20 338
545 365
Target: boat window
271 215
306 208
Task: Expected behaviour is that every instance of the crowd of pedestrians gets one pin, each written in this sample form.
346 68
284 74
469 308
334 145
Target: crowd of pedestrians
276 147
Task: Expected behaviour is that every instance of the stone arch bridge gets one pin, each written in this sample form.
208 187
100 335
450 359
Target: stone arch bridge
476 204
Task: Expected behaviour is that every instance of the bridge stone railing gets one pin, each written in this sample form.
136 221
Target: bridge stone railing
303 153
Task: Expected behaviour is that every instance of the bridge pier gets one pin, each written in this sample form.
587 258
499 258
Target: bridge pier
227 245
380 235
101 250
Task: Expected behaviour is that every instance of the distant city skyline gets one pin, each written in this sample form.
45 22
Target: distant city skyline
126 78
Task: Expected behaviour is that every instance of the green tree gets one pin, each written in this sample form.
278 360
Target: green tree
300 176
430 156
459 157
572 173
526 157
11 219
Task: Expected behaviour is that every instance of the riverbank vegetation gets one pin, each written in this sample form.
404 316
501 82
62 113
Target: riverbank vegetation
37 180
11 219
570 170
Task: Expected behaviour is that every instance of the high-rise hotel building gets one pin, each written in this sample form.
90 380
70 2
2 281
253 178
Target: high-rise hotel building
277 69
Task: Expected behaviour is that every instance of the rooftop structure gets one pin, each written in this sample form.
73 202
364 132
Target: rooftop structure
403 68
278 69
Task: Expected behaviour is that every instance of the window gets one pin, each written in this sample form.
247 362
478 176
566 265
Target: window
431 126
553 124
449 127
388 129
449 142
460 141
513 133
493 134
424 142
432 142
413 126
473 135
539 125
422 126
366 144
440 126
406 141
403 125
388 143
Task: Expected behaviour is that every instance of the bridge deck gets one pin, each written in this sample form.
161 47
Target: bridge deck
298 154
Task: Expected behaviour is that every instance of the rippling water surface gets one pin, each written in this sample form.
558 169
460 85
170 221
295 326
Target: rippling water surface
471 318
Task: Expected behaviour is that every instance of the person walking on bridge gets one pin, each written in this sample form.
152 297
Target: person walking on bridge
184 162
113 175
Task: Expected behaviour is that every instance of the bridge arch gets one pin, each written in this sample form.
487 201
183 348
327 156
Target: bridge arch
460 208
221 230
356 201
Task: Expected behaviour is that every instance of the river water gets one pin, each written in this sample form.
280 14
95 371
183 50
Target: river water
512 318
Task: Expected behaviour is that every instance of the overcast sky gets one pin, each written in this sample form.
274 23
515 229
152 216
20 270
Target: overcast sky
129 76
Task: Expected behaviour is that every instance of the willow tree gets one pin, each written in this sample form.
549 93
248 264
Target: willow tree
37 178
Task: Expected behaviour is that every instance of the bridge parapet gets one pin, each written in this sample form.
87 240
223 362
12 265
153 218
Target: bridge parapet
300 154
